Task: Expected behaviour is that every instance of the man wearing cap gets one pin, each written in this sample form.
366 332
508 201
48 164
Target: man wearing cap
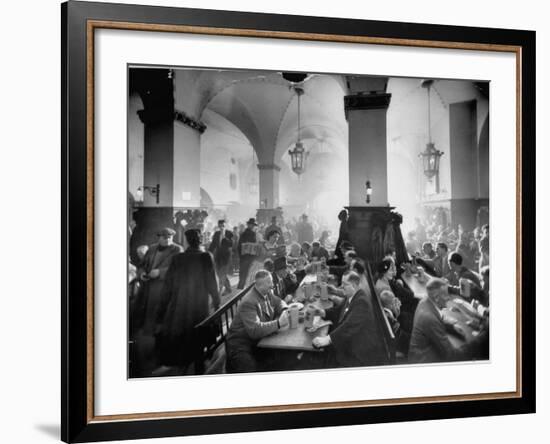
245 260
304 230
189 285
151 274
284 283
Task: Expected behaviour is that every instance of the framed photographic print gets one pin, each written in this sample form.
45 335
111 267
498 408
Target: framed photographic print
277 221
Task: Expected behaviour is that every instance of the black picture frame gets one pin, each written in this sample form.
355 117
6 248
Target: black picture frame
77 422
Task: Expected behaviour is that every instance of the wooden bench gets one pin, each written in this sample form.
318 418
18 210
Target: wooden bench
211 334
212 331
390 343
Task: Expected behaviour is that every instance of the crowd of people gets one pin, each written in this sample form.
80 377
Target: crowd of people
172 289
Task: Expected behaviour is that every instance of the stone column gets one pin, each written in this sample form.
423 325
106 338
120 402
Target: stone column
373 228
156 91
269 192
366 116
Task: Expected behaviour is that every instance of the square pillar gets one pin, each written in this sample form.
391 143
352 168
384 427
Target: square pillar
366 116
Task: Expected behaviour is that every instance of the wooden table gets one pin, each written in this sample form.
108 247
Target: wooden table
298 338
458 313
454 310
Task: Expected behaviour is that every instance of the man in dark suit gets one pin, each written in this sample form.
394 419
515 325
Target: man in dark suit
356 338
284 283
260 314
441 261
429 339
189 282
217 237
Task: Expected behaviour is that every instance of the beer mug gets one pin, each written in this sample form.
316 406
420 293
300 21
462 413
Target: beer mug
308 291
309 316
293 316
324 291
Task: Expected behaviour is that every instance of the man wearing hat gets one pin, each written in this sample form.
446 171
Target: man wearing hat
152 273
304 230
284 283
245 260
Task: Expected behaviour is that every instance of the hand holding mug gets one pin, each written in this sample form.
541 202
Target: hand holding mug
283 319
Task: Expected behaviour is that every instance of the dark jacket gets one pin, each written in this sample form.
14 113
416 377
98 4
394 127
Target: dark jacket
356 336
222 255
149 298
283 286
256 317
217 240
429 340
189 282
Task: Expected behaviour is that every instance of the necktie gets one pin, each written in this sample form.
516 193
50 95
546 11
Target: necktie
344 310
268 309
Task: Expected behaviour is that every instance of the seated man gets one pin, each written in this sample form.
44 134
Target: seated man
441 261
428 252
462 272
400 322
429 339
340 270
355 338
318 252
284 283
259 314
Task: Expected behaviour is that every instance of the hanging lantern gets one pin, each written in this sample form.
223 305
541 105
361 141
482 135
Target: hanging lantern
297 158
430 156
430 160
298 154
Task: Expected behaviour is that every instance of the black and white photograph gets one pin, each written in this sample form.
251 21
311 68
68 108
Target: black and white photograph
283 221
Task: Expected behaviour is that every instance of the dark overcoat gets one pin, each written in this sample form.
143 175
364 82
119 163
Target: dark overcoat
149 299
189 283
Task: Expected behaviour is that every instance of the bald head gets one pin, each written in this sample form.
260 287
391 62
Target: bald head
438 292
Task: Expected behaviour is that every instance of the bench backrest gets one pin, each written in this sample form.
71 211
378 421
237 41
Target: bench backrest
211 332
387 332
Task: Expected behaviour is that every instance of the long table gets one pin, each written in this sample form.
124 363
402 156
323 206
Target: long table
296 339
456 310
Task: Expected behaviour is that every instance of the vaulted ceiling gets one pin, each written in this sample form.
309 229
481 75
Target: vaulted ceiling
261 107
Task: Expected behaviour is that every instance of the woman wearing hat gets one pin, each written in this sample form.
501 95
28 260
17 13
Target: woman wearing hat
267 249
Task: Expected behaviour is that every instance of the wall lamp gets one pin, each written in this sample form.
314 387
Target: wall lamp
153 191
